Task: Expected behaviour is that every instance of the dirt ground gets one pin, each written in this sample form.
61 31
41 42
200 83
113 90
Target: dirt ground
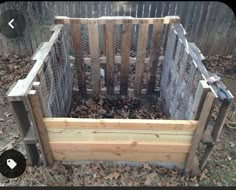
219 171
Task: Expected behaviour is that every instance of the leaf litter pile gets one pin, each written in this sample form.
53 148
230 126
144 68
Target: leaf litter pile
116 107
219 171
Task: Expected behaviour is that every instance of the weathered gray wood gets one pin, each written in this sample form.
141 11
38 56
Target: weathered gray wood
22 87
194 15
199 98
198 132
37 86
20 111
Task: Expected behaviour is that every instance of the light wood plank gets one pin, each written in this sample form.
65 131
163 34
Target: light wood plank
94 53
117 156
117 20
70 136
122 131
141 53
121 124
199 130
123 146
110 54
77 44
42 131
125 56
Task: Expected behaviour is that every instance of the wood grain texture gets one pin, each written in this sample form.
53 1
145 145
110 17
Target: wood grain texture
141 53
199 98
118 156
125 57
123 146
41 128
110 55
121 124
94 54
77 44
154 55
198 133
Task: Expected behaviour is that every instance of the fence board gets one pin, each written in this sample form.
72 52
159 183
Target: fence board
110 54
94 54
125 57
141 52
77 43
154 55
194 15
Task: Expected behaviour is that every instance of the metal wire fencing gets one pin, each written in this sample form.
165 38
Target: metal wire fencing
57 81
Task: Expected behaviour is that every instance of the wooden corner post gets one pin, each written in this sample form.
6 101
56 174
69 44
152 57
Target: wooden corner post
42 131
198 132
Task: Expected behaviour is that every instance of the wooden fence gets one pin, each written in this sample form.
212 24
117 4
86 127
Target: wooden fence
211 25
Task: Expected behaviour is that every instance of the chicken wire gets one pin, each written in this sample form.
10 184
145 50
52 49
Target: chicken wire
117 52
58 77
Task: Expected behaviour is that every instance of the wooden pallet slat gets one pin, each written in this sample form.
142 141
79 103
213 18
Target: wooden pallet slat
141 53
94 53
77 44
154 55
110 55
125 56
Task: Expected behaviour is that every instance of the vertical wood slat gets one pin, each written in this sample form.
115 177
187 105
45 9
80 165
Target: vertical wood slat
154 55
94 54
42 131
199 130
199 98
37 86
125 56
77 44
175 69
110 55
189 86
141 52
183 65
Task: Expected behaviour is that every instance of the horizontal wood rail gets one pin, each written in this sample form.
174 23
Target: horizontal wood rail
117 20
121 124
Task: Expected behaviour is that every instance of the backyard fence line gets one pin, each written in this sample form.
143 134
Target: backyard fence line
210 25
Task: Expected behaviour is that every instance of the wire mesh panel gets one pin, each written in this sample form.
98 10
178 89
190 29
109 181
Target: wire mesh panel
58 77
117 53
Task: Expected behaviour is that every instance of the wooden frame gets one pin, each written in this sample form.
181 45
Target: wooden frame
163 141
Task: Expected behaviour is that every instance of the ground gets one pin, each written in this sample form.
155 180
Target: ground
219 171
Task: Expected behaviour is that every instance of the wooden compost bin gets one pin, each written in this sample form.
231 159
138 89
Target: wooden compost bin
42 101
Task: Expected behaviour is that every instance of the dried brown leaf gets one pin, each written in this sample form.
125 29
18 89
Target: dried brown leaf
113 175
